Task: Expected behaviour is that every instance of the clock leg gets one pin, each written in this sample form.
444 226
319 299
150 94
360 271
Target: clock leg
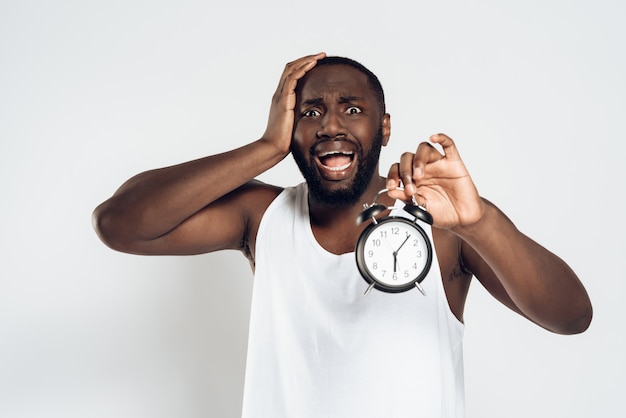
420 288
369 288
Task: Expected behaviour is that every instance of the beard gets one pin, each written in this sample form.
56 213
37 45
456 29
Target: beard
351 193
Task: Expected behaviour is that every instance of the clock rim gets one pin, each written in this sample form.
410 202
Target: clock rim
360 256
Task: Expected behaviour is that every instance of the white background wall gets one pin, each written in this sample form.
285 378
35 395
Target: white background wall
92 92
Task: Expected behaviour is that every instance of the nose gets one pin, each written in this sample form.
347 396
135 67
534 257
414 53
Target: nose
331 125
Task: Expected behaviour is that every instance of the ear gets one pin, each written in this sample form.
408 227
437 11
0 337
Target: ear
386 127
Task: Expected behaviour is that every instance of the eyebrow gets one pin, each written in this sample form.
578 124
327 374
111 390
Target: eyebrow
343 99
313 102
349 99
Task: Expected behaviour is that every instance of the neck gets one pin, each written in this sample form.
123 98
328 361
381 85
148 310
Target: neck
336 229
323 215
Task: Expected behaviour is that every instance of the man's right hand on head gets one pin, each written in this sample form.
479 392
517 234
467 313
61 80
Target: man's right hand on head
281 118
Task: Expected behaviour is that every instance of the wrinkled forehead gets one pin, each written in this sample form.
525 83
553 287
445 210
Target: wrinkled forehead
342 80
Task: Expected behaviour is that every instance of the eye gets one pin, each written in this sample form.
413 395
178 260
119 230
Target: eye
353 110
311 113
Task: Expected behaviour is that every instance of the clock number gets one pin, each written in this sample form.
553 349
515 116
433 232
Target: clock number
393 245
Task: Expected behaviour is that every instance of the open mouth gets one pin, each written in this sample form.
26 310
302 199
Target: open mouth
336 160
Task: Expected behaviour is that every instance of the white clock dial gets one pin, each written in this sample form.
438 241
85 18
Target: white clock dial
395 253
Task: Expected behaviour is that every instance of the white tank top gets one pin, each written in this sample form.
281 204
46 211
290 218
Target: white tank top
319 348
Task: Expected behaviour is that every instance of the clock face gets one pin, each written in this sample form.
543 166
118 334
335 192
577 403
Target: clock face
394 253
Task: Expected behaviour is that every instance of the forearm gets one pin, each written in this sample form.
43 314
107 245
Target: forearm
540 284
153 203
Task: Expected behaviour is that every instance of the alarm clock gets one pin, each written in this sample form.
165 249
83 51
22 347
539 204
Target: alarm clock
394 253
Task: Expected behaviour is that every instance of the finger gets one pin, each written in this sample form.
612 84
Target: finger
449 147
393 177
425 154
285 95
297 62
405 171
393 183
300 66
421 199
295 70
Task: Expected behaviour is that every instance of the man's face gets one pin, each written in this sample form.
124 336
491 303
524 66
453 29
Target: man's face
338 134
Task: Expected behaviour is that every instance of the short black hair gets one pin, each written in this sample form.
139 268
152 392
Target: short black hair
372 80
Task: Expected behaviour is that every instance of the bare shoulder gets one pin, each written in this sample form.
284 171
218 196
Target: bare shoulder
261 189
254 198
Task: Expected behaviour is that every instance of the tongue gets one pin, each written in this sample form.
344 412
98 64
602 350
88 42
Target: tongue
335 160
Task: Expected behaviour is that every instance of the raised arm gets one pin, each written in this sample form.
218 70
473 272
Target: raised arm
207 204
515 269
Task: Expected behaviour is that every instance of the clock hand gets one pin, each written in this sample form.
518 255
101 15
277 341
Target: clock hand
395 257
395 264
403 242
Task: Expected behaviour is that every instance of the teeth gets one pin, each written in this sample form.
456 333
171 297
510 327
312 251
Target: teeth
342 167
326 154
339 168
